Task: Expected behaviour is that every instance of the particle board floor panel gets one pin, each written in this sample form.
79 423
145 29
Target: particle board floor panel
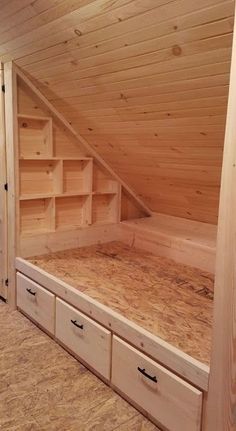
43 388
171 300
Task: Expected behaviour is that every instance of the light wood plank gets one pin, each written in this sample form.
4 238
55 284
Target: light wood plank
221 404
3 195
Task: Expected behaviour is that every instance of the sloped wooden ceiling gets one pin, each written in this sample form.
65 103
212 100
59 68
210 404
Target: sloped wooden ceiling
145 81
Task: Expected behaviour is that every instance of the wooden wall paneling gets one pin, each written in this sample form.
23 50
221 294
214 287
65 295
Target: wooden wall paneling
221 403
12 176
135 78
3 195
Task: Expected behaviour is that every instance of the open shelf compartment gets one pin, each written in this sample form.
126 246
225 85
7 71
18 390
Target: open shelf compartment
36 216
102 182
35 136
39 177
77 176
105 208
73 212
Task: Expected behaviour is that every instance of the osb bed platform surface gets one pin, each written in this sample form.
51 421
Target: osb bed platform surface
171 300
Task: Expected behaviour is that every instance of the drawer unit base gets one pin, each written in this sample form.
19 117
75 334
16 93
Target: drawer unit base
158 393
84 337
169 400
36 302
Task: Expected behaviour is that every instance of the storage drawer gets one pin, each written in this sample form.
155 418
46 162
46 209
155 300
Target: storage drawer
86 338
175 404
36 302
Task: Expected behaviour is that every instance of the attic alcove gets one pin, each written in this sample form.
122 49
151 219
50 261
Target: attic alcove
117 153
67 199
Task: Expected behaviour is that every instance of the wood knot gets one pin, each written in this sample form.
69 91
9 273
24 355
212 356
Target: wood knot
176 50
77 32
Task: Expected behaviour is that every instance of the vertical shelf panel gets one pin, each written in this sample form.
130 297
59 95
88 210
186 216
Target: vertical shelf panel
72 212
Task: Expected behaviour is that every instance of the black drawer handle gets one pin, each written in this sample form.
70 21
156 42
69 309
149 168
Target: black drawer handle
31 292
143 372
77 324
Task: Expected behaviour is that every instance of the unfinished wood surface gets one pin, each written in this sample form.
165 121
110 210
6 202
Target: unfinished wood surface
146 83
175 359
13 222
3 196
168 299
36 302
186 241
60 187
221 405
75 136
52 391
173 403
84 337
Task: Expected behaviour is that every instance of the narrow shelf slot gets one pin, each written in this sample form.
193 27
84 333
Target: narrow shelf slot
104 208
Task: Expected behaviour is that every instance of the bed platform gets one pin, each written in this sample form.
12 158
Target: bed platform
168 299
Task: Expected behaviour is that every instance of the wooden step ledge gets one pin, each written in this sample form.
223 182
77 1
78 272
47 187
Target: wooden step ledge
189 242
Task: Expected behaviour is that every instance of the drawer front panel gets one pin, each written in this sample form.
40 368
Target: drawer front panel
171 401
87 339
36 302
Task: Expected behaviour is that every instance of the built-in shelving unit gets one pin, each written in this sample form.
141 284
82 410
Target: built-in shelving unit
60 193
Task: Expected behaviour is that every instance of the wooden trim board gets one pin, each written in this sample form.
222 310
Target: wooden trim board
179 362
32 245
3 195
221 405
12 175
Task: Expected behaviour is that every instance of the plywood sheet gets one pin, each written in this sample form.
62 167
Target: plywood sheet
170 300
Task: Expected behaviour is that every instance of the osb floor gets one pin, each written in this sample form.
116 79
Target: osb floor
168 299
43 388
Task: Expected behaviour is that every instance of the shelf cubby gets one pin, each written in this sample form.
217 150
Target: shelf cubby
36 216
40 177
105 208
35 136
77 176
102 182
73 212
